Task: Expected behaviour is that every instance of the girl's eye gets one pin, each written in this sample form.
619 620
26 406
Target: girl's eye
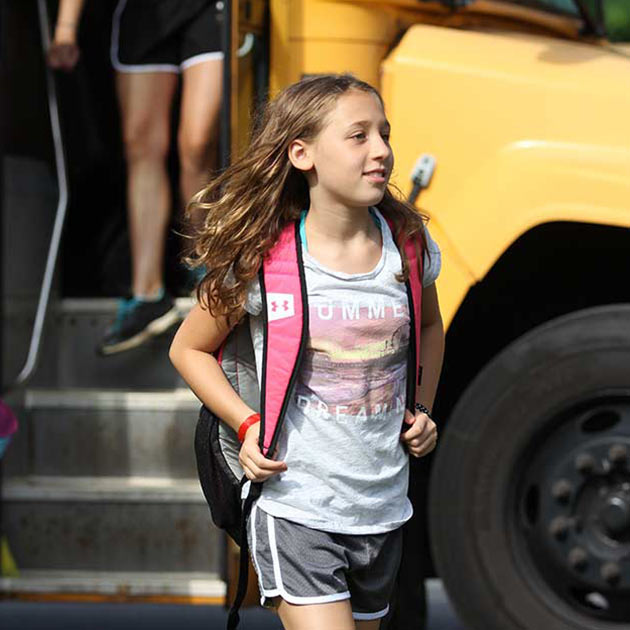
359 136
385 137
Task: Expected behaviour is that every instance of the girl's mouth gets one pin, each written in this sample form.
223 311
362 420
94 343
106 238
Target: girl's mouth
378 176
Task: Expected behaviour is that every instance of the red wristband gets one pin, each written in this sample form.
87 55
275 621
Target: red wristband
242 430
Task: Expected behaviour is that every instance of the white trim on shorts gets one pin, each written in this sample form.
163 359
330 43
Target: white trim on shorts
370 616
253 526
200 58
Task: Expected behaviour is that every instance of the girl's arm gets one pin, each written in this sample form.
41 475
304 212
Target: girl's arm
421 436
431 347
199 335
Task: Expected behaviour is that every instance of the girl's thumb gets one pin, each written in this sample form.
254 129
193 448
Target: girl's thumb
409 418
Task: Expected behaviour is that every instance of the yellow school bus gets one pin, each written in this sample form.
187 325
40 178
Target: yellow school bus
520 110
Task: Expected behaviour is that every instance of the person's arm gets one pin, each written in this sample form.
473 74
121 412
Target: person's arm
63 53
197 338
199 335
68 16
420 438
431 347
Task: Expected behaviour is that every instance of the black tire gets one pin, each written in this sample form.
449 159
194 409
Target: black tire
497 499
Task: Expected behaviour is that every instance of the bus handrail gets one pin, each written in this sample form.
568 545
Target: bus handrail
62 204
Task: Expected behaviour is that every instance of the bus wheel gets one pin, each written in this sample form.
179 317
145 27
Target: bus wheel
529 500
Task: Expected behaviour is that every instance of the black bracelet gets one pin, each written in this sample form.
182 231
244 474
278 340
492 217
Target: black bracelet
423 409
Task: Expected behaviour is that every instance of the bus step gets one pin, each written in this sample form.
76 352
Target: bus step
97 432
110 524
69 359
189 587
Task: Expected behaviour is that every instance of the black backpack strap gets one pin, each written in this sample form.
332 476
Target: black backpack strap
243 569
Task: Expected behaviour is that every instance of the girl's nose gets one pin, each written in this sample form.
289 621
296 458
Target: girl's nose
380 148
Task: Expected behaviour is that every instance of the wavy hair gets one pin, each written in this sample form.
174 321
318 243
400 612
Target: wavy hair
246 207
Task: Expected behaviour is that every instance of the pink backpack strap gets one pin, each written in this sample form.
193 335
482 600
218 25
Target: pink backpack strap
285 313
414 293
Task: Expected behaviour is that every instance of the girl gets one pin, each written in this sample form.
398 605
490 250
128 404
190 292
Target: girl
325 534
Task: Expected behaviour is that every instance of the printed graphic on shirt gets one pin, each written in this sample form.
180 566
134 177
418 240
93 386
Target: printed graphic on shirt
356 360
280 306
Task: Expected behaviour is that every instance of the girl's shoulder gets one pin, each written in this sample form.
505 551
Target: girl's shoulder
432 246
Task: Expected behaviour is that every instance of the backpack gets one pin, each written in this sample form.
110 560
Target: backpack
227 490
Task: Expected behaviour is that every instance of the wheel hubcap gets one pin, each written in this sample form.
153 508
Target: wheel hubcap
572 505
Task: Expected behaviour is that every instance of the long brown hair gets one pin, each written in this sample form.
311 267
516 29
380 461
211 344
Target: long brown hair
246 207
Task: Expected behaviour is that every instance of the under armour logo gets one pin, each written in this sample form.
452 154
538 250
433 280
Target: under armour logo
285 306
280 305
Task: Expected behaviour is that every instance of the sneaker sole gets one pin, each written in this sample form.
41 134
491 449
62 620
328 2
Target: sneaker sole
155 328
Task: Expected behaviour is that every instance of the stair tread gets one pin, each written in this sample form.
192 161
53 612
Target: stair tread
75 329
90 306
107 398
133 489
193 584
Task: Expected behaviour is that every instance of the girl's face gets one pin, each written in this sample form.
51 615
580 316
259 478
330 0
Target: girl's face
350 161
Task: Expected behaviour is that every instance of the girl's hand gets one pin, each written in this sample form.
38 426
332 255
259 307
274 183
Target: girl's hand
257 467
421 436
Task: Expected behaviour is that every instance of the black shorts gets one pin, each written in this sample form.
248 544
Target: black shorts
165 35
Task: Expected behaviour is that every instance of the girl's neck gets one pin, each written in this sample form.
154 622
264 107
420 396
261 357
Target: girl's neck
339 224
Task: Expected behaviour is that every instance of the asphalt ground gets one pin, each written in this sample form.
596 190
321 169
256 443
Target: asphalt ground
16 615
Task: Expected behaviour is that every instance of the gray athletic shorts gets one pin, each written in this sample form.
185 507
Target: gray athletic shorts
309 566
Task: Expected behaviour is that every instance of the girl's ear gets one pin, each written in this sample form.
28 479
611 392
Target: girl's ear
300 155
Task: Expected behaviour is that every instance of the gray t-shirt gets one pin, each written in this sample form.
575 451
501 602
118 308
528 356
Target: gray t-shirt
347 470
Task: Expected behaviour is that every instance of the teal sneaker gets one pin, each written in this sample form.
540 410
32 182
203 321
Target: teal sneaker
137 321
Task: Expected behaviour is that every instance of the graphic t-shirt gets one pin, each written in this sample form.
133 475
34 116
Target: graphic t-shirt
347 469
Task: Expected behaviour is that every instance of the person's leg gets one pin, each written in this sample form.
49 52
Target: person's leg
331 616
145 104
198 126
